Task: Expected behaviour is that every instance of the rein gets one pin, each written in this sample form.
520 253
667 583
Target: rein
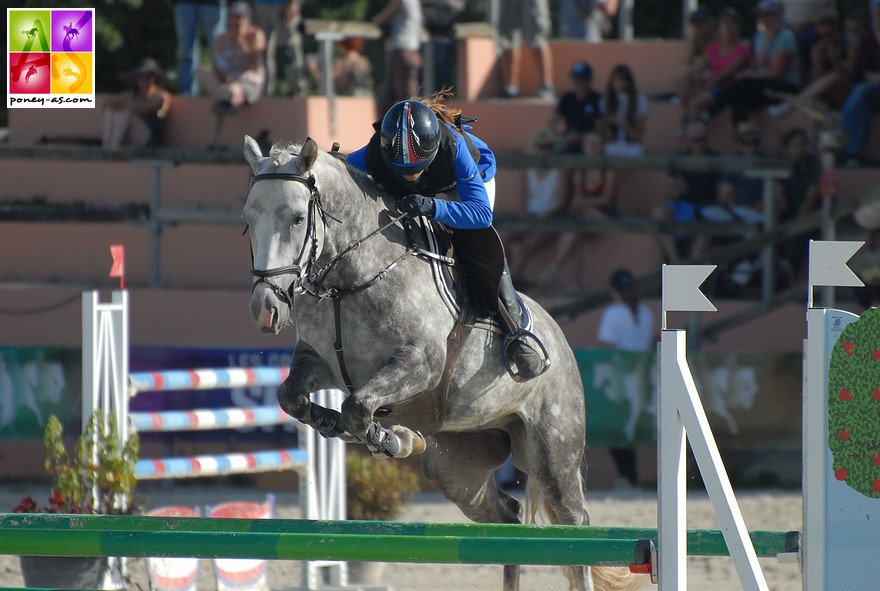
311 283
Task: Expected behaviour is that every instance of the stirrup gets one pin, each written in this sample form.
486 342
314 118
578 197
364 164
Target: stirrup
524 336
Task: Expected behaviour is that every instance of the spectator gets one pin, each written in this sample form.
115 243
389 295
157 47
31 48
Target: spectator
281 22
624 112
401 21
801 17
864 98
800 191
546 190
775 67
522 22
588 20
439 18
726 57
627 324
686 194
137 118
740 196
691 76
866 262
577 111
237 75
194 21
593 196
352 71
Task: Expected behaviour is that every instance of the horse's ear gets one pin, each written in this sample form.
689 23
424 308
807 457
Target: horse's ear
252 152
307 155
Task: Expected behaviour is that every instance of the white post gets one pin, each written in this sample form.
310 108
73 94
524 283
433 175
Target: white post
323 492
680 416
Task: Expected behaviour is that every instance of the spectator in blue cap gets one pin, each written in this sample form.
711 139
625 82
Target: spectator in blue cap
577 111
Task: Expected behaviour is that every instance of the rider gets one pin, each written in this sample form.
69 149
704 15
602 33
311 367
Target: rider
420 149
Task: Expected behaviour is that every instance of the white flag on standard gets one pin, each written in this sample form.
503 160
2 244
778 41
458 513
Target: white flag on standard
828 263
681 288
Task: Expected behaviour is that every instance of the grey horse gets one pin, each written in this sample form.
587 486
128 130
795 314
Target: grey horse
327 242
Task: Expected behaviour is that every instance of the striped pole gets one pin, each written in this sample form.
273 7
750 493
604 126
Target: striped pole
701 542
221 464
206 379
206 418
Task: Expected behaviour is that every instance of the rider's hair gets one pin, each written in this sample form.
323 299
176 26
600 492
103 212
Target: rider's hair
437 103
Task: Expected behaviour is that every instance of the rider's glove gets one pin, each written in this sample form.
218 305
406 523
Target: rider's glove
416 205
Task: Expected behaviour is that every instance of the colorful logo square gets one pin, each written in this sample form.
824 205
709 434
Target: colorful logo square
50 58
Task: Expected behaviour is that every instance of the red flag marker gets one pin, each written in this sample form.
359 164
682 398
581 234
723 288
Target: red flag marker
117 251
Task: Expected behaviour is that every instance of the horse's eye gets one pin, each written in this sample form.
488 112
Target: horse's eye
298 219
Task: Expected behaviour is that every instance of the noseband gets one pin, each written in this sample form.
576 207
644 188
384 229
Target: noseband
311 242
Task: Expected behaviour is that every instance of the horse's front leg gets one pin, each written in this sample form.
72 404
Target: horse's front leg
309 373
406 373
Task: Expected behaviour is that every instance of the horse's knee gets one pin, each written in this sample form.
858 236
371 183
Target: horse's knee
292 401
356 417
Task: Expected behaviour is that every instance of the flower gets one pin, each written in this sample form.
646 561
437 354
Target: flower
98 478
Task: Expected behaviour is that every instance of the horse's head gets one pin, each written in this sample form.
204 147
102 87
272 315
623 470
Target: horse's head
285 232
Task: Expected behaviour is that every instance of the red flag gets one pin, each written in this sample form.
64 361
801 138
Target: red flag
117 251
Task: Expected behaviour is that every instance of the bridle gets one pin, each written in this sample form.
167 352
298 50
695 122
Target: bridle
311 242
305 279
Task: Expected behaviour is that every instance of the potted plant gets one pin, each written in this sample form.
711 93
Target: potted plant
98 478
376 490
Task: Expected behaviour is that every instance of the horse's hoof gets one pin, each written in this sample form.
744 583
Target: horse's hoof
412 443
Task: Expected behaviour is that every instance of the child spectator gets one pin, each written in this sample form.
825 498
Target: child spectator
593 196
352 72
137 118
687 193
237 76
546 190
577 110
726 56
691 77
624 111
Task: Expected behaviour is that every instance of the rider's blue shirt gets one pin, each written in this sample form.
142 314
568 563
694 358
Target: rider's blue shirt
454 167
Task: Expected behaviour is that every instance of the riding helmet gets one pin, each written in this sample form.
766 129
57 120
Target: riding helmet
409 136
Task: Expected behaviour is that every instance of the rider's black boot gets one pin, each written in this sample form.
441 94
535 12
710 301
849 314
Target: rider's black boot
521 347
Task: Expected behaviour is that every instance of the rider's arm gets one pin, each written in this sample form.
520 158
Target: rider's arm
358 159
473 211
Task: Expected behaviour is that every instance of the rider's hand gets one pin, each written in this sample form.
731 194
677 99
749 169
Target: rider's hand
416 205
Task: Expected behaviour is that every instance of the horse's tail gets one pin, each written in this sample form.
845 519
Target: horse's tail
608 578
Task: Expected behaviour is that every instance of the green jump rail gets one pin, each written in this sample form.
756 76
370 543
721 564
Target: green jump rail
417 537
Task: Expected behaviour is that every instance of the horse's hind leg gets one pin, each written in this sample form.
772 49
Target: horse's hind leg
462 466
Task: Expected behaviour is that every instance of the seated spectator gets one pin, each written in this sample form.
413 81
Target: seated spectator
692 76
545 199
577 111
866 262
352 72
831 72
726 57
593 196
865 96
137 118
800 191
238 75
740 196
774 70
801 17
588 20
686 194
624 112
